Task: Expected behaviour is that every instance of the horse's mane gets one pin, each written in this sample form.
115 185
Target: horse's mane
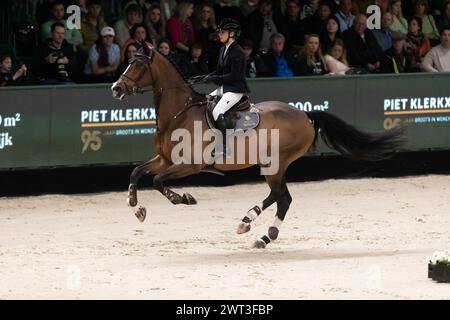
180 72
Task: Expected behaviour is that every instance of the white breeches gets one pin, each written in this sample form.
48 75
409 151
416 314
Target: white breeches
226 102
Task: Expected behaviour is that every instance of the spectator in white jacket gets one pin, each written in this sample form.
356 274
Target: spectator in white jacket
438 59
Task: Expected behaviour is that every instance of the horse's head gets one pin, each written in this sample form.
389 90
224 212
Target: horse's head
138 74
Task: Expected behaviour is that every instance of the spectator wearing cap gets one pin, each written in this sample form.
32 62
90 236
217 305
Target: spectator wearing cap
438 59
58 11
54 61
397 60
344 15
180 29
278 62
91 25
417 43
104 58
122 27
363 49
399 23
384 35
138 33
291 26
261 25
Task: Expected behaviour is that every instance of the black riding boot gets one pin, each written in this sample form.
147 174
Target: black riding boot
221 124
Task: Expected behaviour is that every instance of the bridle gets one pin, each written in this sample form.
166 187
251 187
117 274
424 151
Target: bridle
147 63
148 59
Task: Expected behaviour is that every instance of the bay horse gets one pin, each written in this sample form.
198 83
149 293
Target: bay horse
297 133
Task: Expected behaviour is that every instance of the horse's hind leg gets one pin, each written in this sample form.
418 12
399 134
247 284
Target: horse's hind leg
284 200
274 183
174 172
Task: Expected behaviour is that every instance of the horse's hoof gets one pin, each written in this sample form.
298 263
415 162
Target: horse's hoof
131 201
141 213
243 228
273 233
188 199
259 244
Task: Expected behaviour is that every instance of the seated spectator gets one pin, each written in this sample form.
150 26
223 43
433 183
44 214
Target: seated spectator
91 25
138 33
205 27
143 6
444 18
130 52
362 47
54 61
72 36
104 58
397 59
360 6
336 58
428 24
166 49
309 8
438 59
291 26
180 29
312 62
195 64
7 78
261 25
278 62
122 27
156 24
253 63
168 8
333 33
344 15
226 9
316 24
247 7
384 35
385 5
417 43
399 24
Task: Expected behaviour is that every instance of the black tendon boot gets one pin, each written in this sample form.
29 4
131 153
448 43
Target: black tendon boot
221 124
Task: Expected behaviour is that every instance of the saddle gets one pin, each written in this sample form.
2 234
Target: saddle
242 116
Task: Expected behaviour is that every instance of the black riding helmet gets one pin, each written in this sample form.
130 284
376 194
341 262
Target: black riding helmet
229 24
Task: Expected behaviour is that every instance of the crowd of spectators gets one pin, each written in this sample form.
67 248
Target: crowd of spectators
281 38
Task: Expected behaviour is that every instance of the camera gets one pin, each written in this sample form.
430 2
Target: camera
62 73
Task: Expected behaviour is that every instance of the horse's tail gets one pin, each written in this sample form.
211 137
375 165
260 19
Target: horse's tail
356 144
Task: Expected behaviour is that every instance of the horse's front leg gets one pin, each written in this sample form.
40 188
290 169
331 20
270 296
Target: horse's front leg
176 171
154 166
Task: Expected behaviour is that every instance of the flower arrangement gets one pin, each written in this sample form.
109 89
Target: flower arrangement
441 257
439 266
